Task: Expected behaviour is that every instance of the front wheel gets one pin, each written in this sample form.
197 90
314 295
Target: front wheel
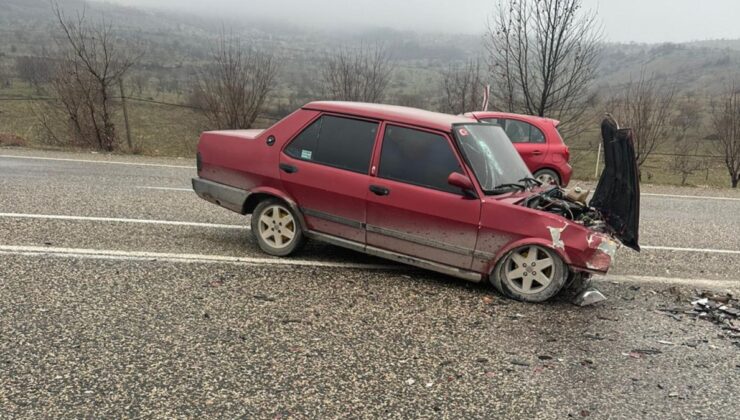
276 228
530 273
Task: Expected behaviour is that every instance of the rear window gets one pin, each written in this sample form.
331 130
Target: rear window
343 143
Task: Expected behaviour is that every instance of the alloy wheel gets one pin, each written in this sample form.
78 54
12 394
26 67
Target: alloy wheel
546 179
277 227
529 270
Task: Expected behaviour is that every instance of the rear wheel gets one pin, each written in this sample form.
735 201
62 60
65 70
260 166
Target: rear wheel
530 273
276 228
547 177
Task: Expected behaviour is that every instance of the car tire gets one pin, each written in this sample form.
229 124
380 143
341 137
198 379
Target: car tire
530 273
276 228
547 177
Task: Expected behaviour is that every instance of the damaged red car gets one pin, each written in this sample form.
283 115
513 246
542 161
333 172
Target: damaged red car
441 192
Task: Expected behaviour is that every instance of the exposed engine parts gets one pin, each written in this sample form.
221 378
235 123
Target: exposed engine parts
570 204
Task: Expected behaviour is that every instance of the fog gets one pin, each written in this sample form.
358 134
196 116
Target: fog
624 20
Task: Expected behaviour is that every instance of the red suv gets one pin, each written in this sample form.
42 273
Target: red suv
442 192
538 141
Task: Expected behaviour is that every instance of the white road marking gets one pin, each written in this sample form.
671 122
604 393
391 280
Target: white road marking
167 189
121 220
246 227
107 162
100 254
703 283
116 255
693 197
705 250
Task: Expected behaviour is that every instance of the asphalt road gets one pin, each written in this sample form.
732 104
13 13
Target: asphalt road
123 294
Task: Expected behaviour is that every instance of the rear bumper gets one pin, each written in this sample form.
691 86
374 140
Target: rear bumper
566 171
223 195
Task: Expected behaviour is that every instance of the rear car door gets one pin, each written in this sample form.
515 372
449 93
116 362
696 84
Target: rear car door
325 169
528 140
411 208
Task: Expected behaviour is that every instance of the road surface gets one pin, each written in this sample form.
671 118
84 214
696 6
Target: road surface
123 294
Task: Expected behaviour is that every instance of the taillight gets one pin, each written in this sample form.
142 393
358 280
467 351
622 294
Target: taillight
198 162
567 154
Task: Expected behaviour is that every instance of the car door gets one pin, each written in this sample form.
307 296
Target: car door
411 208
325 169
528 140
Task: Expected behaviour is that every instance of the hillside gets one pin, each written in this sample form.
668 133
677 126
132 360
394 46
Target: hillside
174 46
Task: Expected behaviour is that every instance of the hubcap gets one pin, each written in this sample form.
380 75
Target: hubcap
529 270
546 179
277 227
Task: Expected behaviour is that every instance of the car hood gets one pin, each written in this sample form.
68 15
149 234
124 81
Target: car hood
617 195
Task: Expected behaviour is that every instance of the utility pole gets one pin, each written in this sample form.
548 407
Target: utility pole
125 116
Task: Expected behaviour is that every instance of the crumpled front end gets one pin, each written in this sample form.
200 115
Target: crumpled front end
585 250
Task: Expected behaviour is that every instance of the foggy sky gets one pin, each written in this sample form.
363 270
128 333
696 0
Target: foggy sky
624 20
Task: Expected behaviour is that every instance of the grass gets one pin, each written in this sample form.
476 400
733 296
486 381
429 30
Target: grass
159 130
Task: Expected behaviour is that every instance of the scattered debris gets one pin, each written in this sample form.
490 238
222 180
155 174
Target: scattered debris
264 298
588 297
518 362
646 352
487 300
544 357
667 343
410 381
721 309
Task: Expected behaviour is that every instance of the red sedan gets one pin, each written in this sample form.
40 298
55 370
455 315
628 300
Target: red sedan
442 192
538 142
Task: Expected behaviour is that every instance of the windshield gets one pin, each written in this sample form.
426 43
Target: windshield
491 155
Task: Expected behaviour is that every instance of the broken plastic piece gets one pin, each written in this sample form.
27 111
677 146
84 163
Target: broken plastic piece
588 297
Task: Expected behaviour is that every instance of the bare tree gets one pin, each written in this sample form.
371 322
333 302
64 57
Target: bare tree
91 63
543 56
462 88
36 71
726 122
687 124
234 88
360 75
646 105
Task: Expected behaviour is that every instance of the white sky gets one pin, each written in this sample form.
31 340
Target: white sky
624 20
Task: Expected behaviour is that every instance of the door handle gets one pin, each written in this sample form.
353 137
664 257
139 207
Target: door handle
378 190
537 152
288 168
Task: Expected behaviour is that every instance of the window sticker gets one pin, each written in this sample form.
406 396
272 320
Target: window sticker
463 132
306 154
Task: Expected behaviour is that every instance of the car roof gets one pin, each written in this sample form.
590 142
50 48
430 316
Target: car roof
392 113
496 114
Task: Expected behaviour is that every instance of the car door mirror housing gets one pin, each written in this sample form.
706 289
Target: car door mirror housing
461 181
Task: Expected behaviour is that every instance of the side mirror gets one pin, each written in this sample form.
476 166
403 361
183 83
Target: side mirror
461 181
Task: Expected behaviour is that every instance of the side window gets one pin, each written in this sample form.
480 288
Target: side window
344 143
417 157
522 132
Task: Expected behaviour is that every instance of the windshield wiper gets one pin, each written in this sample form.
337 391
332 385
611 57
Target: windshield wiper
504 188
530 182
